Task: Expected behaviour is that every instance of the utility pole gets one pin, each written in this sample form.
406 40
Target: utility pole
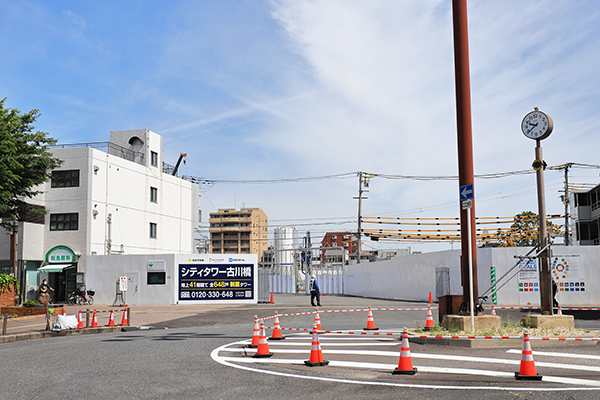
109 238
566 202
13 248
363 179
465 146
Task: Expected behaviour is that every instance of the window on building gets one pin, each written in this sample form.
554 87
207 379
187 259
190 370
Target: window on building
35 217
154 159
153 194
157 278
64 222
582 199
69 178
153 230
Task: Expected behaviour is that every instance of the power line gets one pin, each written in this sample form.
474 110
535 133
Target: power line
346 175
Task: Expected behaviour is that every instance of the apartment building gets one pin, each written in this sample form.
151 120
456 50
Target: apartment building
239 232
586 212
333 241
114 197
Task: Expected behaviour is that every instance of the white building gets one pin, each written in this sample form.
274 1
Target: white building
112 197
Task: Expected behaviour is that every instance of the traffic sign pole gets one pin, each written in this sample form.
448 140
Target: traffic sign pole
471 303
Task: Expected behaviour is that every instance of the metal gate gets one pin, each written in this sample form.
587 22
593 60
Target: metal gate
442 281
263 290
330 278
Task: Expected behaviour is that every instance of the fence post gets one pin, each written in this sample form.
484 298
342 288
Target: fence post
87 317
4 324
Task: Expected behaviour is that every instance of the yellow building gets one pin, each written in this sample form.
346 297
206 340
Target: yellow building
243 231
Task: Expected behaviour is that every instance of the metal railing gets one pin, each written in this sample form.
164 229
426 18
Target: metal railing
108 147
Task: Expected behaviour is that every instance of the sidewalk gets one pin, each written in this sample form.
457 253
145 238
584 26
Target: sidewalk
144 315
139 316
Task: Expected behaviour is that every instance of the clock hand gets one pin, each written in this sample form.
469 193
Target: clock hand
532 126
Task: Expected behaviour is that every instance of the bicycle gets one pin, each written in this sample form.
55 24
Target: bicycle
80 297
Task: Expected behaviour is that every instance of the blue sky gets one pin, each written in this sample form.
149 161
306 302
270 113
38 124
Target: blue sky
289 89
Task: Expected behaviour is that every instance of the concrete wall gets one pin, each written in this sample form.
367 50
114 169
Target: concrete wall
412 277
402 277
103 272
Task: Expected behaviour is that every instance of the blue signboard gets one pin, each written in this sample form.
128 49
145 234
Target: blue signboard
466 192
216 281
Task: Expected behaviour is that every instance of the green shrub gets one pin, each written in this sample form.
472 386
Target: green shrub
6 281
30 303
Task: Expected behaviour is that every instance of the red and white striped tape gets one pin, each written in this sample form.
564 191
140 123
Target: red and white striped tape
399 333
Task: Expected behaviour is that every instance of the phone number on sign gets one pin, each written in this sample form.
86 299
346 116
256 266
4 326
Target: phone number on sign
217 294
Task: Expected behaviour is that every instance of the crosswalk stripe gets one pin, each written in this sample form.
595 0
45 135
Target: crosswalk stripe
458 371
564 355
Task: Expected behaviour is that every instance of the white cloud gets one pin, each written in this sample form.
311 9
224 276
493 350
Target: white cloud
76 19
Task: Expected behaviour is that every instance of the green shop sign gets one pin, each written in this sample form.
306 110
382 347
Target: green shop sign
60 254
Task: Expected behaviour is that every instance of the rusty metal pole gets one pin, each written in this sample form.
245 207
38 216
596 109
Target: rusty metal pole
465 142
544 269
13 250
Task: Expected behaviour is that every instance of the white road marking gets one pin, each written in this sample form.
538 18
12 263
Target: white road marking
564 355
487 360
327 338
308 343
390 367
229 362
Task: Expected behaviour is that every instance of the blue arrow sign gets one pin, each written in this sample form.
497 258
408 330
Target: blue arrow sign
466 192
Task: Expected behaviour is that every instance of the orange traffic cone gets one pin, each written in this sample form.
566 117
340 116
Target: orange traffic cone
429 322
318 321
79 321
94 320
111 319
370 322
316 355
559 312
263 346
64 312
430 297
124 321
276 329
405 365
493 310
255 333
527 370
272 298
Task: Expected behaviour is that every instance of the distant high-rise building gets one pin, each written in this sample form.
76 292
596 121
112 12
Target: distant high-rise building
243 231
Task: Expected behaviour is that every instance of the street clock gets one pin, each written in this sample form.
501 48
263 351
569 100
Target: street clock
537 125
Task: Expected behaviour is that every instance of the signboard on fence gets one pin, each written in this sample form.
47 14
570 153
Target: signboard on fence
122 284
217 278
567 273
528 276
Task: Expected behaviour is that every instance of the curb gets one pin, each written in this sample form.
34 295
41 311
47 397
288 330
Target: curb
496 343
49 334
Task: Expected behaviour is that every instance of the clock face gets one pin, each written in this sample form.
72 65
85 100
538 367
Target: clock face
537 125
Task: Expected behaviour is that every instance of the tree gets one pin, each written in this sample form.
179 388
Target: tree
524 230
25 162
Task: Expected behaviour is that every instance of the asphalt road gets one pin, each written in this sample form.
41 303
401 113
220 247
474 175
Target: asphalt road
199 356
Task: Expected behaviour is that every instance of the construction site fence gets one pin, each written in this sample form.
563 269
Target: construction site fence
413 335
